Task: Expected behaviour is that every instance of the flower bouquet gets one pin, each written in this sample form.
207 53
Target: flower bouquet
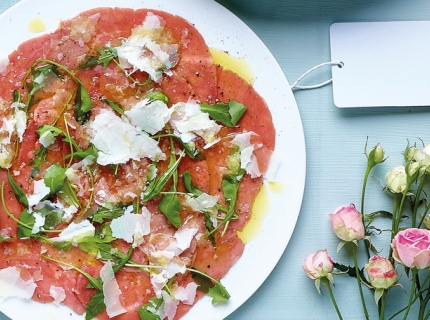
408 249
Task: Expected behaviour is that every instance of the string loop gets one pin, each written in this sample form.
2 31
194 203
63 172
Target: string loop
295 85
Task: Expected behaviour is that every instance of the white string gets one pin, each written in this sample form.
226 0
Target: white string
295 85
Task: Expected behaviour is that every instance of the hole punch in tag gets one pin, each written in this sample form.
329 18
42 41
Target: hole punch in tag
384 63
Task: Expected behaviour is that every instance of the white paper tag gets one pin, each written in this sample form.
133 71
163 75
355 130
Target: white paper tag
385 63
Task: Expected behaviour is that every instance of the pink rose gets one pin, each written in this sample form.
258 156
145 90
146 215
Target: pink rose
412 248
347 223
381 272
318 265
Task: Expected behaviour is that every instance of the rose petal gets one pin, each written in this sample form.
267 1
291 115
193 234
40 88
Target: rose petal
422 259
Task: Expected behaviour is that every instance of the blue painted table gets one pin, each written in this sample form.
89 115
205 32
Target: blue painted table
297 33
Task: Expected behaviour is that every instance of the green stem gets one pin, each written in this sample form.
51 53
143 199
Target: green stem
393 223
326 282
417 200
363 192
357 272
411 296
382 306
399 212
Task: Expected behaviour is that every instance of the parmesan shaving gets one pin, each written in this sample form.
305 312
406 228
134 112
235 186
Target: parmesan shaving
149 116
188 121
142 52
132 227
111 291
11 284
58 294
40 191
75 232
118 141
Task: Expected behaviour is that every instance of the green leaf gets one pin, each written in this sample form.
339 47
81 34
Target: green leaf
156 185
113 105
156 95
236 111
105 213
19 193
108 252
210 286
379 292
39 79
83 104
228 114
170 206
54 177
52 217
80 155
95 306
68 194
5 239
36 162
26 224
16 96
107 54
351 272
230 188
191 188
147 311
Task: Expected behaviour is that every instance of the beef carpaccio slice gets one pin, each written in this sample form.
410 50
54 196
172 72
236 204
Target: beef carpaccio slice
60 269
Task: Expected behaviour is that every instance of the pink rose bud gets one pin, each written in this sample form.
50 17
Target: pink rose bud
381 272
347 223
411 247
318 265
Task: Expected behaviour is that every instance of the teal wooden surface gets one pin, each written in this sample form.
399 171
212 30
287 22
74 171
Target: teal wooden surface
297 33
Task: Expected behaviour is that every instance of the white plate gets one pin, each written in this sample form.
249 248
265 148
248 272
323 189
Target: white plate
224 31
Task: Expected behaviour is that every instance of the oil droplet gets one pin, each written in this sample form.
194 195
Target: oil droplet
259 211
238 65
276 186
36 25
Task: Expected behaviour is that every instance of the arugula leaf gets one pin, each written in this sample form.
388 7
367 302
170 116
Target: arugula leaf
83 104
210 286
26 224
230 187
108 252
91 244
19 193
170 207
5 239
191 188
96 283
80 155
157 95
189 147
114 106
52 217
104 213
107 54
68 194
156 185
148 310
39 80
36 162
54 177
95 306
228 114
16 96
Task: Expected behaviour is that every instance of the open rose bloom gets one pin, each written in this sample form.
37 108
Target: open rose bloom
411 247
318 265
347 223
381 272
